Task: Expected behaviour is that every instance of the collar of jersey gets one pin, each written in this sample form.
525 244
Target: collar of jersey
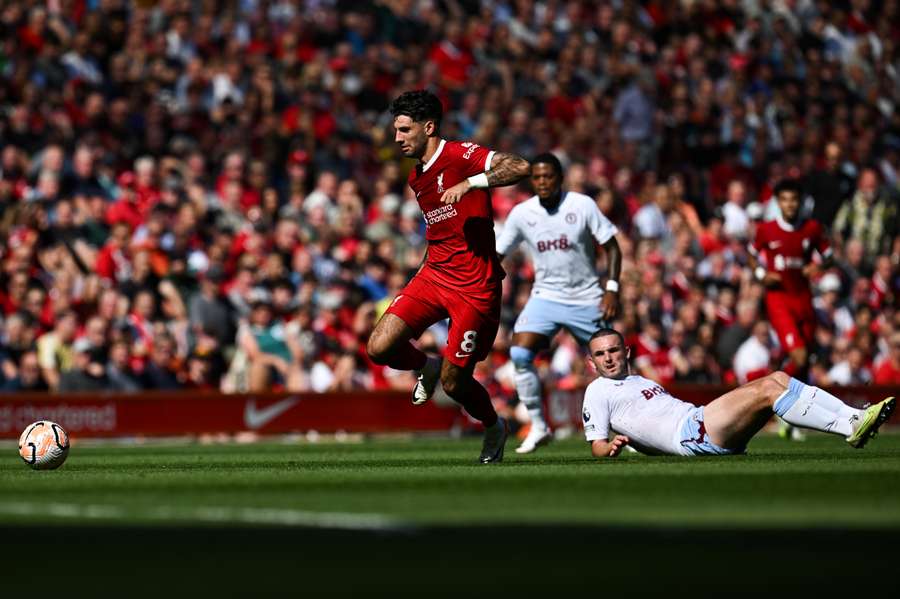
786 226
435 157
562 200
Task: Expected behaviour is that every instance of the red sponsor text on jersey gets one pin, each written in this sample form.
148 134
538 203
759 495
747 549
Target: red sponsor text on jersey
653 392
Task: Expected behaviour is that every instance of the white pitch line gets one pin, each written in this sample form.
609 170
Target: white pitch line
210 514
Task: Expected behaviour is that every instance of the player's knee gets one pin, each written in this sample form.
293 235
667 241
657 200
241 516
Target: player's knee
776 383
521 357
377 350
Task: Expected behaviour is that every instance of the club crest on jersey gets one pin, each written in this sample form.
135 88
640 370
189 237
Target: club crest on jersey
441 183
571 218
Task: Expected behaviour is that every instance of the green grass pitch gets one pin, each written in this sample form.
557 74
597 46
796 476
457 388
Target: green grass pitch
383 503
817 483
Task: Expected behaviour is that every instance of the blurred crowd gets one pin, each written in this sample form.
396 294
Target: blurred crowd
205 194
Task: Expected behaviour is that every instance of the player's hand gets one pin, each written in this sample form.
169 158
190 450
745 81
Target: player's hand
609 305
810 270
455 193
617 445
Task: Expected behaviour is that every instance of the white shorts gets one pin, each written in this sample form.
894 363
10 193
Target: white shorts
546 317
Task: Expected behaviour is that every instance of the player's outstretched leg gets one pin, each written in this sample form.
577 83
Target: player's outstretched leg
812 407
528 387
466 391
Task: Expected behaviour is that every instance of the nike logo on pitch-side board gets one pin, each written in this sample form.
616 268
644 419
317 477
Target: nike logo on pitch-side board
256 418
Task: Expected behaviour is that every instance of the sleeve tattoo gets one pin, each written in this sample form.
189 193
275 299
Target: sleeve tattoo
507 169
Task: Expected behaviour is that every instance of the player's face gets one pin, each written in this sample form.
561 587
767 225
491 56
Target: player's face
789 203
609 356
545 180
411 135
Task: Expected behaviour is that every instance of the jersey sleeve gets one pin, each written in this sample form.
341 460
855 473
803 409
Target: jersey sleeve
595 414
474 158
601 227
511 235
821 243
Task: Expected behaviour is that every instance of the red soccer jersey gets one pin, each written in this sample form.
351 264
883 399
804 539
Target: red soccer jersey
461 247
785 249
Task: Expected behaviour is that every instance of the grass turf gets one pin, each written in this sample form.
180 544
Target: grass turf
419 518
820 483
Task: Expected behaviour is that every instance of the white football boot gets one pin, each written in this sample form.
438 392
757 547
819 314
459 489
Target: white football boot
428 380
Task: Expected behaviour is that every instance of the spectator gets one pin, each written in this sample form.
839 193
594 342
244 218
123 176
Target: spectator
209 311
887 372
28 375
753 358
87 373
852 370
871 217
162 370
118 368
55 348
16 340
650 220
829 186
262 339
737 223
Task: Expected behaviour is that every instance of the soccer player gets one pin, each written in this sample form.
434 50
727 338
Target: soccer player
644 416
560 230
460 277
781 259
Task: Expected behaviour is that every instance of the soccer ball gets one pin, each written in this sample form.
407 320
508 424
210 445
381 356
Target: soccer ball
44 445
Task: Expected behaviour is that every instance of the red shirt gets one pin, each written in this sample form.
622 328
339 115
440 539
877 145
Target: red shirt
461 247
785 249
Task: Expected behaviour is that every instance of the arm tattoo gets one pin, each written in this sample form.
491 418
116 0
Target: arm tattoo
507 169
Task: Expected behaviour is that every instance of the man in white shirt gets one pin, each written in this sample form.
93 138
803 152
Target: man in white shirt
560 230
639 412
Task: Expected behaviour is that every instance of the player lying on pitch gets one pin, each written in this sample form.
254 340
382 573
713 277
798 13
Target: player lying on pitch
643 415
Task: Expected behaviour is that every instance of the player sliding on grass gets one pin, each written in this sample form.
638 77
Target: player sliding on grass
644 415
560 231
461 276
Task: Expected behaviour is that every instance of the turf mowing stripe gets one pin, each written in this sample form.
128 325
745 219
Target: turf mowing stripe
212 514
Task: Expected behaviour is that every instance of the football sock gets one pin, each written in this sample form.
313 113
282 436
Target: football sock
477 402
812 407
528 385
407 357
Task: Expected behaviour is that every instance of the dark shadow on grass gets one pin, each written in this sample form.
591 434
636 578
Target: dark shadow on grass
132 561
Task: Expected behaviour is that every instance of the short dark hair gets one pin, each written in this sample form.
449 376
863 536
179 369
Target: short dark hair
605 332
551 159
788 185
419 105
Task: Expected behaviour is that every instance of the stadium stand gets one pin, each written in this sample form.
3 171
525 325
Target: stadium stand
205 195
